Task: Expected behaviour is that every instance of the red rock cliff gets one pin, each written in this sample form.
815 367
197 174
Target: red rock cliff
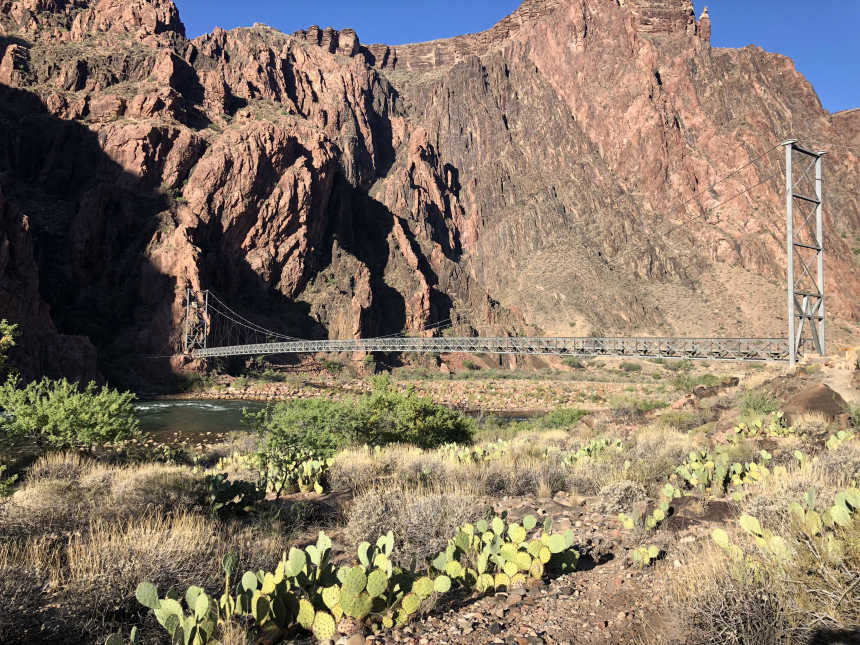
553 175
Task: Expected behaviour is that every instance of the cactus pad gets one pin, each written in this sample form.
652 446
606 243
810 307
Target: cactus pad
354 582
523 560
147 595
442 584
517 533
454 569
323 626
306 614
423 587
410 603
557 543
498 525
331 596
377 583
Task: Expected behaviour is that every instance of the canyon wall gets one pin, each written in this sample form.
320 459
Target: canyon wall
556 174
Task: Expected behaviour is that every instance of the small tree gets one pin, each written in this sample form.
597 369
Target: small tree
62 415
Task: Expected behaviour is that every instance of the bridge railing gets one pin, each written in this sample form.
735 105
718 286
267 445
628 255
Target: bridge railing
732 349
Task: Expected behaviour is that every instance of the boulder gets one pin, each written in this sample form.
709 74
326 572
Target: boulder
817 398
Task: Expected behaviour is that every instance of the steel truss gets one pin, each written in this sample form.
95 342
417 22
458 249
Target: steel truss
728 349
805 247
196 321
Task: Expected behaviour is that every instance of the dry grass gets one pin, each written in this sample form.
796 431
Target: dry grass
760 600
64 493
723 603
78 536
422 522
523 469
812 425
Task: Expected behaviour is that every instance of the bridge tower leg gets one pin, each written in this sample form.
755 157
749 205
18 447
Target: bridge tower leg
805 248
186 340
196 328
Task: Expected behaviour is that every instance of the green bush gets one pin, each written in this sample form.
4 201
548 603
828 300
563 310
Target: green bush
471 366
759 402
688 382
629 366
573 363
387 416
317 424
561 418
381 417
62 415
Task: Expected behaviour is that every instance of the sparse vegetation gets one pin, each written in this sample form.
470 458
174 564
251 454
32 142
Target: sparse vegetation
415 482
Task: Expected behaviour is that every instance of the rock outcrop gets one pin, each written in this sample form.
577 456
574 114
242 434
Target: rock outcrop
555 174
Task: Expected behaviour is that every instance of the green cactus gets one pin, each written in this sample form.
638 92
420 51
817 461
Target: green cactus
423 587
645 555
323 626
377 583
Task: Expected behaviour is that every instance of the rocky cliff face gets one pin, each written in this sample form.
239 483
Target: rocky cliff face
552 175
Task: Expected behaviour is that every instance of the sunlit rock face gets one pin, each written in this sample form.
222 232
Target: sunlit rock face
554 175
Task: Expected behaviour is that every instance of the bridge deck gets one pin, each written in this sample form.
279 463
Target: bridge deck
730 349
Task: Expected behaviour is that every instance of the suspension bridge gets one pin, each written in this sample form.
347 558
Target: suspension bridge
213 329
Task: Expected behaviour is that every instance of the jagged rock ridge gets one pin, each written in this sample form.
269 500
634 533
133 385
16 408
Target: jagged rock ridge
540 177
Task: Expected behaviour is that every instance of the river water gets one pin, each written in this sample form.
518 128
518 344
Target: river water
163 419
204 420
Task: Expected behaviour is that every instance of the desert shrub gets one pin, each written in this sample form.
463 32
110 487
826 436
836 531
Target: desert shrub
84 586
499 481
355 469
58 465
573 362
681 420
759 402
629 409
811 425
62 415
388 416
560 418
621 496
631 366
422 523
723 603
842 464
471 366
333 367
381 417
678 366
317 424
800 571
688 382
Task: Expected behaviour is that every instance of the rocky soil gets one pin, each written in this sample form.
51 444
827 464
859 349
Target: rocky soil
334 189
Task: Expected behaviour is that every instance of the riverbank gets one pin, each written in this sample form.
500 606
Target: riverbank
591 385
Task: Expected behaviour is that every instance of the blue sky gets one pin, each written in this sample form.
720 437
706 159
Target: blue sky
820 35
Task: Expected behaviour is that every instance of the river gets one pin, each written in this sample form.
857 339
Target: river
208 419
164 419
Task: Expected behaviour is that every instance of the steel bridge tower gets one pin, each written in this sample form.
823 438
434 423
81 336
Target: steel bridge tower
805 247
